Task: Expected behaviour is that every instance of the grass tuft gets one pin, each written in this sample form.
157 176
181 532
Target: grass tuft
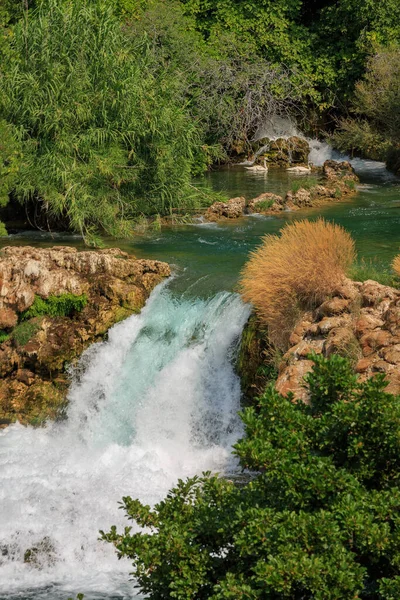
4 336
363 270
295 271
25 331
305 184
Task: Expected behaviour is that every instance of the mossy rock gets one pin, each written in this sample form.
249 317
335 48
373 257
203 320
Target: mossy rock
257 360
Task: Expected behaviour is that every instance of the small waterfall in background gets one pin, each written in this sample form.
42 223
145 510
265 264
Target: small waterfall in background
283 127
155 402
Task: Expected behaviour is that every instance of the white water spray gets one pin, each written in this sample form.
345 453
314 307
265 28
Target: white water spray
156 402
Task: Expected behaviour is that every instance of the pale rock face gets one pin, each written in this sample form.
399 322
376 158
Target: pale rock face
273 199
362 321
233 209
32 370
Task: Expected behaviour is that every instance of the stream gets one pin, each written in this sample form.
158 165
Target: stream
157 400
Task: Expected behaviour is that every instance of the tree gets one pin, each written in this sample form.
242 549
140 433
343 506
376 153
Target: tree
103 133
318 518
375 131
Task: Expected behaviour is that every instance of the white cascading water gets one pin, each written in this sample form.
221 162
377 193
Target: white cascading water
156 402
283 127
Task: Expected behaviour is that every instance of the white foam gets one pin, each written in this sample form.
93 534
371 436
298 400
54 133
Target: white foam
156 402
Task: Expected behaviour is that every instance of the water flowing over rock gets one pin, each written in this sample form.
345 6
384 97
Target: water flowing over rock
361 321
37 351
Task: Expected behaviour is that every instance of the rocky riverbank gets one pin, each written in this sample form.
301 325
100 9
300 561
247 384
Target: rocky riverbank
54 303
361 321
334 181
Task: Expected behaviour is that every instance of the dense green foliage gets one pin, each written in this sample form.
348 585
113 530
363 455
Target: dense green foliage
326 41
107 110
103 137
375 130
55 306
318 519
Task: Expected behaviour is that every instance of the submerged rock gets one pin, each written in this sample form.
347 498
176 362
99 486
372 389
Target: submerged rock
95 289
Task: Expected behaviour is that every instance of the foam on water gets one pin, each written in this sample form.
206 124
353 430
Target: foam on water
155 402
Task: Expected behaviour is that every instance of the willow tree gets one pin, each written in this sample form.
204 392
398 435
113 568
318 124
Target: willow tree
103 132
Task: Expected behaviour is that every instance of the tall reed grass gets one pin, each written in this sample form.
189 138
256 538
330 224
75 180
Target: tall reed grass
295 271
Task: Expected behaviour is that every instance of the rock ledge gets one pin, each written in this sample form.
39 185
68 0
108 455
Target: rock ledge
34 382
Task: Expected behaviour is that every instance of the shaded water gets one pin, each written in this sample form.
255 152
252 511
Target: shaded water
157 401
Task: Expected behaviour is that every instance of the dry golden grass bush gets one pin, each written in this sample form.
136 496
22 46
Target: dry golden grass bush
396 265
295 271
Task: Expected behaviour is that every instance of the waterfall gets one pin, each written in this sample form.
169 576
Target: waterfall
155 402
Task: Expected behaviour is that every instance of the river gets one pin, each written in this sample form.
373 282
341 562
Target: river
159 399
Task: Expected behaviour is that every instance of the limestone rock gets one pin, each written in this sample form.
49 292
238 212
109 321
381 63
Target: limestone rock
290 151
334 170
265 203
8 318
361 322
232 209
34 358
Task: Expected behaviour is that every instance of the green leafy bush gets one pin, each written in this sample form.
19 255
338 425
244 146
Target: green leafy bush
318 520
55 306
375 130
102 125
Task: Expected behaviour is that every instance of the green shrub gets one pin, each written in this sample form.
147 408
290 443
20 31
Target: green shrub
103 127
319 521
264 205
375 129
55 306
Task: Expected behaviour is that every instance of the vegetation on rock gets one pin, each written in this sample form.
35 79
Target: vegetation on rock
55 306
318 519
295 271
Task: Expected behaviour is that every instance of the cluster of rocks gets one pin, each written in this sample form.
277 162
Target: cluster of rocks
361 321
281 152
338 180
33 375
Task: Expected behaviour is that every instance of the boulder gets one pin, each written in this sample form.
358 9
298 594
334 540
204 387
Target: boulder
265 203
233 209
301 198
334 170
287 151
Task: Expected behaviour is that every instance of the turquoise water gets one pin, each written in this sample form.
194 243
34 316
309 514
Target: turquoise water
209 256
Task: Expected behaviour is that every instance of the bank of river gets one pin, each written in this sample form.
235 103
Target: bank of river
159 400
